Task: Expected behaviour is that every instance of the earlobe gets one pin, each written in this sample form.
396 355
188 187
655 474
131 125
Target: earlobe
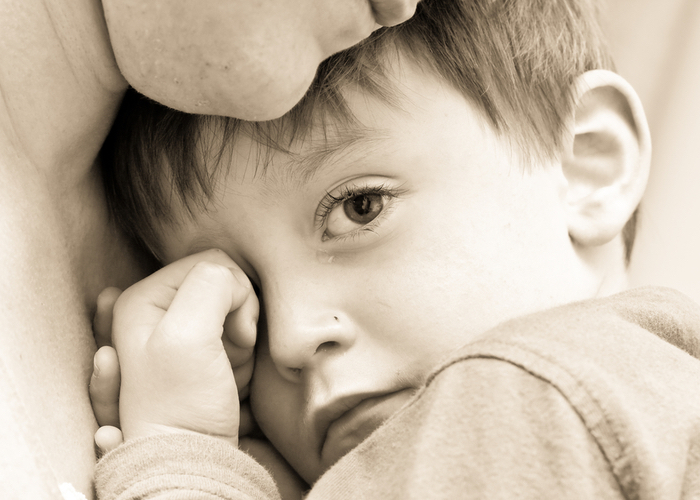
607 163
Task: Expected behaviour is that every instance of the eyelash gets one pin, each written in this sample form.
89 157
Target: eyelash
331 201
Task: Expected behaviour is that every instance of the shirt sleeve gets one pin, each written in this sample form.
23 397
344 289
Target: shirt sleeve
181 466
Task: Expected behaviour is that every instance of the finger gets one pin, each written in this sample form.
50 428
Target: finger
393 12
244 392
102 324
104 387
172 276
237 356
247 425
206 296
242 375
242 361
143 305
108 438
160 288
241 324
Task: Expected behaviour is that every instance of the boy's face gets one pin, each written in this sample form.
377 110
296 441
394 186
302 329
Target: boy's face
415 236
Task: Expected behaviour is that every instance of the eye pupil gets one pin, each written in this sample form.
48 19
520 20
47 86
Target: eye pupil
363 208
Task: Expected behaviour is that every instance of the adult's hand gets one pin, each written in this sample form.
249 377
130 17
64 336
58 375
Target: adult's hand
250 60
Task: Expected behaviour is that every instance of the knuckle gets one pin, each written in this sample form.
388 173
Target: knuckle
215 255
212 272
167 328
126 299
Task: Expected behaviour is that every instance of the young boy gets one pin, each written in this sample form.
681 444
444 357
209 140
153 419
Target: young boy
424 232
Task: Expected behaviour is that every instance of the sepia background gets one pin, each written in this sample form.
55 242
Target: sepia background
656 44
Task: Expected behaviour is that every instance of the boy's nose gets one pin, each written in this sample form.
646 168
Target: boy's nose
302 331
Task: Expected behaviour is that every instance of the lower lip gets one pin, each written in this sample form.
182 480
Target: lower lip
356 425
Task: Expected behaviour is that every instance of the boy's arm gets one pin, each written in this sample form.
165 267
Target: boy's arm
164 466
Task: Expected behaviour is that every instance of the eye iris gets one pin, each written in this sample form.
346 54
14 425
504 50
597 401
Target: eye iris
363 208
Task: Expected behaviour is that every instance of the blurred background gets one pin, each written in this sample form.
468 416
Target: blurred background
656 44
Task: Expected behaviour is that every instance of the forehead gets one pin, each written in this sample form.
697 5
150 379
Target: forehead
324 131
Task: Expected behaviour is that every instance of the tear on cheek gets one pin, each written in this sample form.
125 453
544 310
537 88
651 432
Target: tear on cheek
325 257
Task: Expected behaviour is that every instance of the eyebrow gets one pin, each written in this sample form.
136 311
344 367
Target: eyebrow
326 152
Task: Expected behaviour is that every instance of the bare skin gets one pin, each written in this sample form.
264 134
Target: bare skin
60 87
252 60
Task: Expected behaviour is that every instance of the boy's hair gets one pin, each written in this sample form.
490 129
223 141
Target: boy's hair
515 60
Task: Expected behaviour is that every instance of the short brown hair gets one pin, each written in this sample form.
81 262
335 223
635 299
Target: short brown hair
516 60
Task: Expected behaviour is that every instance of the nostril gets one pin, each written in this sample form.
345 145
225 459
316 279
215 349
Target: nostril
327 346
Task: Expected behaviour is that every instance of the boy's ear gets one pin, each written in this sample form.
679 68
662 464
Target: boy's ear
607 162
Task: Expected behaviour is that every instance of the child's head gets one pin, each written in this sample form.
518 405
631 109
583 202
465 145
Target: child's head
449 174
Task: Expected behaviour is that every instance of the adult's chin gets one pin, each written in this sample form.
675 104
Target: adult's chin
197 87
250 60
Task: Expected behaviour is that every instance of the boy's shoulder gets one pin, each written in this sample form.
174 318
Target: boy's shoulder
611 332
591 399
627 366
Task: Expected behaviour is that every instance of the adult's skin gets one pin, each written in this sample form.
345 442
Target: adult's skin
252 60
60 88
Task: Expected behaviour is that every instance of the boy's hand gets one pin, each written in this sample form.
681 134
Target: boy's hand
105 380
175 370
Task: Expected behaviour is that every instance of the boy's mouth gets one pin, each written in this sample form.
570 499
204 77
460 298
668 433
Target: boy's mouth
350 420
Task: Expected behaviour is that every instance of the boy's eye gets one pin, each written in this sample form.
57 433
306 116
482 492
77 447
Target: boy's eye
363 208
353 212
359 206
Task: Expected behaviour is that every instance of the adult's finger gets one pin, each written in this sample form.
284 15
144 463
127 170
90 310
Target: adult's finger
104 387
393 12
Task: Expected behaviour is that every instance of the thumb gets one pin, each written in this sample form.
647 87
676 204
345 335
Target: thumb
108 438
